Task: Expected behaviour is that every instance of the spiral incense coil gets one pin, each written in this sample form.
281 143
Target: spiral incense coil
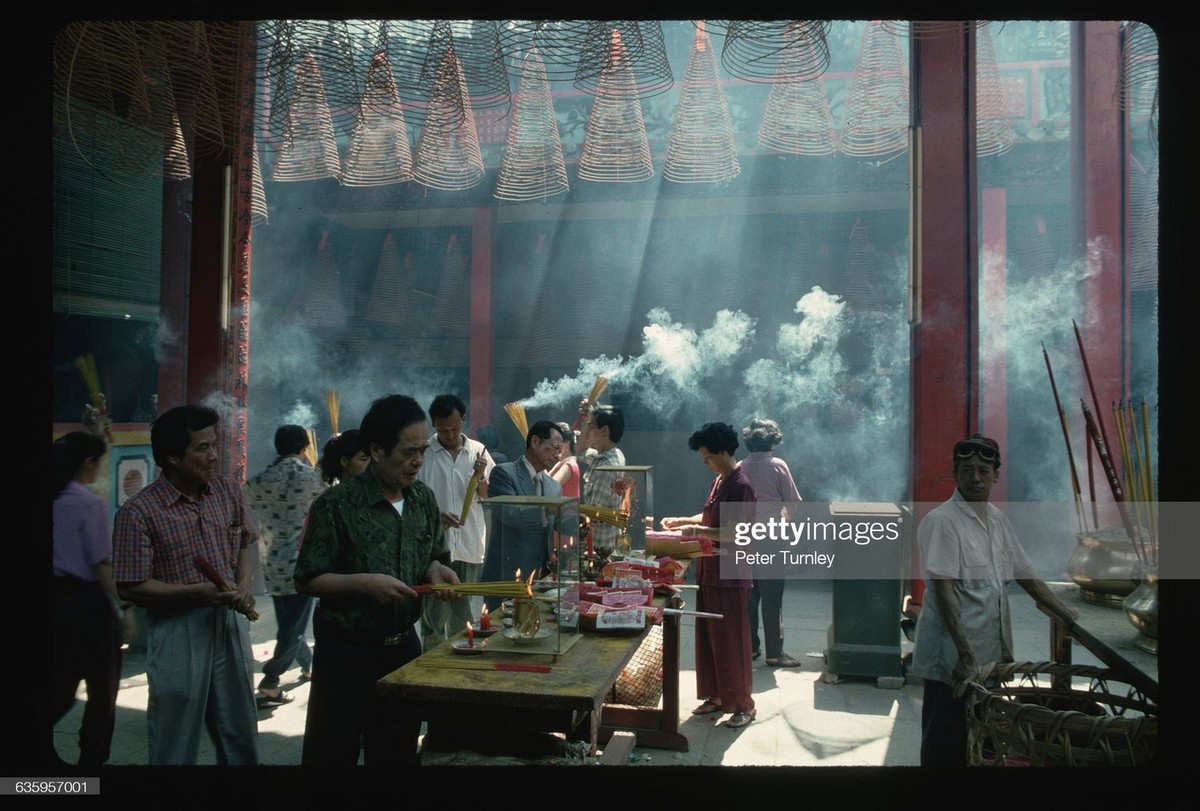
862 281
993 130
286 47
323 302
451 311
1137 90
378 153
557 42
615 147
701 148
877 110
475 46
309 148
532 166
385 303
643 51
775 50
796 117
447 155
259 214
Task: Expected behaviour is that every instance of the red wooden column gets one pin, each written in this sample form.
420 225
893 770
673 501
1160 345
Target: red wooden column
482 334
945 373
1097 207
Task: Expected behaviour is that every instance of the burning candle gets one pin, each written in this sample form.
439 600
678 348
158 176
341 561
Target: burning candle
470 635
485 621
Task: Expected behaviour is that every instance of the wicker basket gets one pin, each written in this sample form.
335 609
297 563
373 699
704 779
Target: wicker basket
1092 719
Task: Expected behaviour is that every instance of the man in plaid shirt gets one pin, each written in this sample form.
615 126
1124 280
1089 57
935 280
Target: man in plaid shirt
198 659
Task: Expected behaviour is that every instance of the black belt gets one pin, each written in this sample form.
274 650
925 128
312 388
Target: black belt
343 637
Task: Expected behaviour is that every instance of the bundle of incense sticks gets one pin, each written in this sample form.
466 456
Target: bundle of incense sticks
331 397
310 452
607 515
516 413
597 389
498 588
1139 476
86 364
475 664
216 579
472 485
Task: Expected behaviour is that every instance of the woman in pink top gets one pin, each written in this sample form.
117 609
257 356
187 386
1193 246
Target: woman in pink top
566 471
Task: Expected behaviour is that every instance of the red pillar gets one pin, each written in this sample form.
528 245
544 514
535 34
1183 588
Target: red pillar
1097 205
945 374
482 336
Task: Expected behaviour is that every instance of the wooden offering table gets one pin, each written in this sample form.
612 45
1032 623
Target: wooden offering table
454 691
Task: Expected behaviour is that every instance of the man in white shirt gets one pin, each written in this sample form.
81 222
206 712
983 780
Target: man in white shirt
449 466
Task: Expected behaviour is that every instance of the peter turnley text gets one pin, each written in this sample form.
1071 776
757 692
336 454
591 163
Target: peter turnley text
785 558
781 530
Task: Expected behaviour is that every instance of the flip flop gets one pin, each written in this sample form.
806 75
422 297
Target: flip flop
783 661
707 708
740 719
265 701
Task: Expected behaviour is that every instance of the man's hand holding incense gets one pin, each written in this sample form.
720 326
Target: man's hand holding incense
438 574
243 601
450 521
383 588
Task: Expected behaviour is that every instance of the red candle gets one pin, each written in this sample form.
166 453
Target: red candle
470 635
485 622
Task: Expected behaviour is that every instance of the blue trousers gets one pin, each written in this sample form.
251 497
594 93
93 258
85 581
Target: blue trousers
292 612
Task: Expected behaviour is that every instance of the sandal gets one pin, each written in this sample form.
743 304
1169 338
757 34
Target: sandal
740 719
265 701
783 661
707 708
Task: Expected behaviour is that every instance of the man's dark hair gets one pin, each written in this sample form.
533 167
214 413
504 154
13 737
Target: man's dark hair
568 435
171 432
290 439
717 437
979 445
761 434
446 404
541 429
610 417
386 418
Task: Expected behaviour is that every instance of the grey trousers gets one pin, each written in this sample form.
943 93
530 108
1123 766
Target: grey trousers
200 671
441 620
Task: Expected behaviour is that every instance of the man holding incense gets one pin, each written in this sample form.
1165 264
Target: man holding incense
603 427
969 556
367 541
455 466
198 659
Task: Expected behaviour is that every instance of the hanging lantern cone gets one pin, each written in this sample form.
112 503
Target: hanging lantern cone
796 117
385 304
701 148
877 114
862 284
448 155
378 153
532 166
309 148
993 130
615 148
323 302
451 311
258 197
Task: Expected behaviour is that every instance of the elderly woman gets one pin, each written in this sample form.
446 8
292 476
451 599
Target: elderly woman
723 674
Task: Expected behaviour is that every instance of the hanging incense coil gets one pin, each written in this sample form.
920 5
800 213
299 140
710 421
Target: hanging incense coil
557 43
775 50
323 303
862 283
309 149
532 166
615 148
378 153
475 46
385 304
259 213
877 111
287 46
796 117
1137 88
542 345
993 129
1143 224
1034 250
643 50
701 148
447 155
928 29
451 312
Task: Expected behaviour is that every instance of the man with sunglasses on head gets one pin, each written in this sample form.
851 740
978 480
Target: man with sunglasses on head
969 557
